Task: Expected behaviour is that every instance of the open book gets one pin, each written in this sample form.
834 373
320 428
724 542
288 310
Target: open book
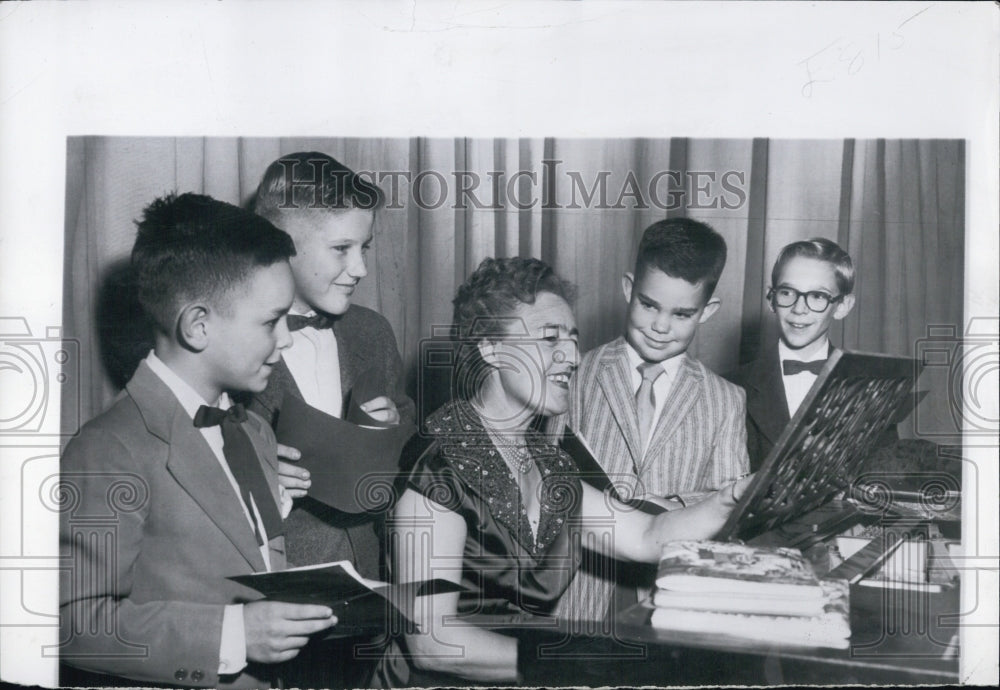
362 606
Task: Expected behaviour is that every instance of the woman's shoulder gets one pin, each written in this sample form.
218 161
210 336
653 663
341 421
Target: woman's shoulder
455 419
453 443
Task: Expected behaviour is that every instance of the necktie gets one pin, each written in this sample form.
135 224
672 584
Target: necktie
243 463
296 322
790 367
645 399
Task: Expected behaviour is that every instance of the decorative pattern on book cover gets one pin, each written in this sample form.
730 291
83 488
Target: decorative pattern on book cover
703 566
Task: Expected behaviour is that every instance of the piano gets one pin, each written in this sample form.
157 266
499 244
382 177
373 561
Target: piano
889 535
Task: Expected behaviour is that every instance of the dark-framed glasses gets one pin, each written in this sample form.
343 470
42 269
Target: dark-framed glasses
816 300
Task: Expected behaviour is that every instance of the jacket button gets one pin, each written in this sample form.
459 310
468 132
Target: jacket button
180 674
197 675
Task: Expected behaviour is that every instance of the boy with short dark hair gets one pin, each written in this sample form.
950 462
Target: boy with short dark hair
329 211
175 490
659 422
811 287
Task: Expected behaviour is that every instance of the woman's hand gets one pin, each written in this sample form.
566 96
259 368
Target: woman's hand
637 536
730 495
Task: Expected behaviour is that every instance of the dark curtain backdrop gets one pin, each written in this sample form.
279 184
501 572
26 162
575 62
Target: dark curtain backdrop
896 206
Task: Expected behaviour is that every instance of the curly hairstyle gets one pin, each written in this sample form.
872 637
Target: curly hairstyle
484 309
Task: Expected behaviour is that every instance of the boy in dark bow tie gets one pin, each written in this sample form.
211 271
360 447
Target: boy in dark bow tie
329 211
811 287
174 489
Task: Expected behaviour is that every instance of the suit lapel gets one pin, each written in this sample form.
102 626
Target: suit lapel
192 463
766 402
195 467
616 384
683 393
353 360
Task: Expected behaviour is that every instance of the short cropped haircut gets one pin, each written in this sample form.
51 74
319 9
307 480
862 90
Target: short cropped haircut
192 247
821 249
313 181
485 305
683 248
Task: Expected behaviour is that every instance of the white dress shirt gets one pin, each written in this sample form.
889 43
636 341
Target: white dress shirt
232 646
314 362
797 386
661 386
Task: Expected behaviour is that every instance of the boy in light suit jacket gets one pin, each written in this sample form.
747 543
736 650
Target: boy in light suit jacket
173 490
660 423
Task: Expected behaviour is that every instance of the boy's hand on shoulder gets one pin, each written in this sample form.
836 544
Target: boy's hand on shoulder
276 630
382 409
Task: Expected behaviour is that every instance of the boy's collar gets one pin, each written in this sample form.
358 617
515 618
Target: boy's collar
669 365
186 395
812 352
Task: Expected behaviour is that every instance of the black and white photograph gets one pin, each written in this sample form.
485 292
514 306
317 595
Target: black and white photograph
376 395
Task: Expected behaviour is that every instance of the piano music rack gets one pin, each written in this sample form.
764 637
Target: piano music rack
855 398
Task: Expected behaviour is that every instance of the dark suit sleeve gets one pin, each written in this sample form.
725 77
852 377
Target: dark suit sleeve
757 446
394 382
392 365
107 498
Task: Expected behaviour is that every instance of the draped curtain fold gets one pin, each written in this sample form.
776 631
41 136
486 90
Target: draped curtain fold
581 204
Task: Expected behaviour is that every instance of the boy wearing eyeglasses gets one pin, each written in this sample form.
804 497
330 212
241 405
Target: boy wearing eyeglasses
811 287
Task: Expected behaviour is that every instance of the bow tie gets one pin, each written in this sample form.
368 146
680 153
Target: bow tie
243 462
790 367
213 416
297 322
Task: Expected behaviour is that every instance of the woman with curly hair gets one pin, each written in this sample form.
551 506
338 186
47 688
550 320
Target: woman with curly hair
494 505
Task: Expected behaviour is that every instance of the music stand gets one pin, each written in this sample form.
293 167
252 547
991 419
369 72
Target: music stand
854 399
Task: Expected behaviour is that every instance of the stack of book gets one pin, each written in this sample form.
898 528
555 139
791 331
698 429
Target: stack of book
766 594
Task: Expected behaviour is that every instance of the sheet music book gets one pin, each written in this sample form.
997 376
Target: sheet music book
361 606
853 400
352 461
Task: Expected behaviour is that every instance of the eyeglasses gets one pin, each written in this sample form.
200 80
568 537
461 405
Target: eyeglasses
788 297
